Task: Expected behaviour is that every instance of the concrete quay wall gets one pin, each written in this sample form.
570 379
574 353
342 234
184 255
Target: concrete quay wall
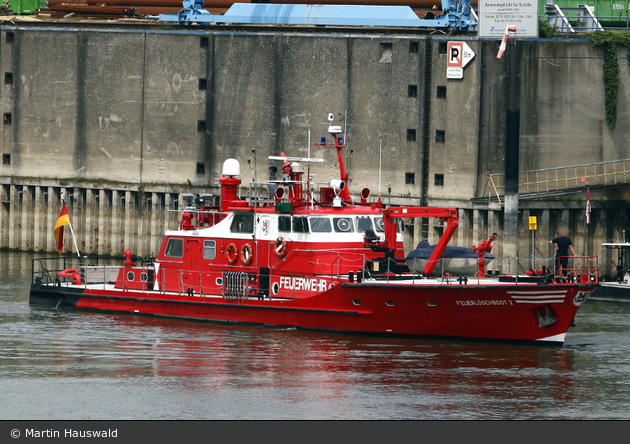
109 220
127 119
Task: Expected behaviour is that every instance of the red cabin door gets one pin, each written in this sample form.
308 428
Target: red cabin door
193 260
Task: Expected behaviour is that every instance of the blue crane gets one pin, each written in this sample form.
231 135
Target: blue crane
455 15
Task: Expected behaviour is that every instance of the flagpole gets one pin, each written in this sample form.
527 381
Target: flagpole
588 215
71 230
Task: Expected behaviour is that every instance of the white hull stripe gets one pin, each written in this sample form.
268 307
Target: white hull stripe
541 301
555 338
538 297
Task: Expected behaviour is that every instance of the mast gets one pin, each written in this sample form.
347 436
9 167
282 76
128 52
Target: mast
334 131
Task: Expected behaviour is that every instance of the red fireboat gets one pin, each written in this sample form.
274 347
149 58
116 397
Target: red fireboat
312 256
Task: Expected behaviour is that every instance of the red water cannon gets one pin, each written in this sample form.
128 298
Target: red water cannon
483 248
186 222
128 260
286 166
72 274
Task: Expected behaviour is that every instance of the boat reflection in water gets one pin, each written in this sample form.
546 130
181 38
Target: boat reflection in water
326 366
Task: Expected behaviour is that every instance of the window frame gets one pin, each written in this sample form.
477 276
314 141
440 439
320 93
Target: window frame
209 246
316 224
170 245
240 218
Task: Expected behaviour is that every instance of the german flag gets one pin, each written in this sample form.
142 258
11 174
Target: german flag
63 219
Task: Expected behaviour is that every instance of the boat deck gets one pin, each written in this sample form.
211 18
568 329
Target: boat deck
395 280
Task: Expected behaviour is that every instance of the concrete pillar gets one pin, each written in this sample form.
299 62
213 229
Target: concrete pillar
414 238
432 237
464 238
607 258
172 210
39 219
510 234
130 236
116 223
591 229
5 206
543 250
156 216
524 242
493 221
142 223
77 219
497 245
478 228
103 240
14 216
580 235
28 226
91 221
564 221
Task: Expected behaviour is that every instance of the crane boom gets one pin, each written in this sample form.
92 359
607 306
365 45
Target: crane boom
447 215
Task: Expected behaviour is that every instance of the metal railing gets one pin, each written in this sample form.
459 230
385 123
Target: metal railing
572 23
562 179
91 270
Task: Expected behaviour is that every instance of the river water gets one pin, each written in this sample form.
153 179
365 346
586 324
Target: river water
61 365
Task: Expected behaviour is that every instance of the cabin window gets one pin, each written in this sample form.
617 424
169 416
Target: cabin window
242 223
320 225
342 224
174 248
209 249
363 224
300 225
380 224
284 224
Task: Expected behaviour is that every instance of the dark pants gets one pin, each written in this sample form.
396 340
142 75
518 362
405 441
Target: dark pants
564 263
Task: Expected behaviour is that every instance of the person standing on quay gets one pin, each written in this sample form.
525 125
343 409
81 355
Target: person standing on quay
562 244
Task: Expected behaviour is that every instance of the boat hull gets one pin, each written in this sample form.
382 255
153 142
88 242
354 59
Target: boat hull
493 312
612 291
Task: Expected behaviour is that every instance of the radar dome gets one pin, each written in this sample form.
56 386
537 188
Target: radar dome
231 167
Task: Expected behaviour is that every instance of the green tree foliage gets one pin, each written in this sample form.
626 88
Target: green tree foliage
610 41
546 31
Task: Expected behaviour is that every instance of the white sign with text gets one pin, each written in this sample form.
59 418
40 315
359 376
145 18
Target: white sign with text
459 54
495 15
